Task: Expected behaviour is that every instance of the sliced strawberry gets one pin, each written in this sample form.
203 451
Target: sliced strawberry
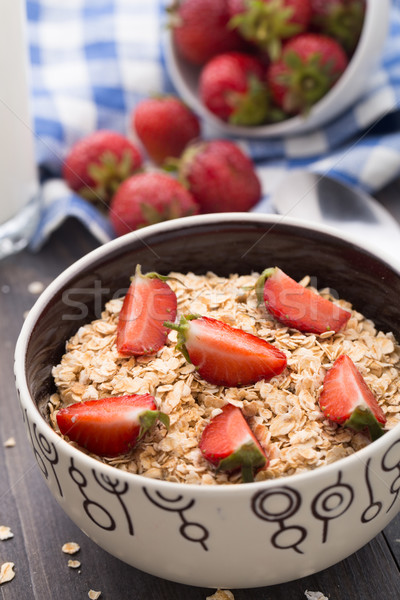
228 443
296 306
347 399
225 355
147 304
110 426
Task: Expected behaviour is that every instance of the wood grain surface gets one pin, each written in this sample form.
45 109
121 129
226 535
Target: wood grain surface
40 527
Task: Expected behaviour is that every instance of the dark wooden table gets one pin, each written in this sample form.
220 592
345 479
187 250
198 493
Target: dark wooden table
40 527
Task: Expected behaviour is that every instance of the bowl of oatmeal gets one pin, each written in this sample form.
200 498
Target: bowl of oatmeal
162 506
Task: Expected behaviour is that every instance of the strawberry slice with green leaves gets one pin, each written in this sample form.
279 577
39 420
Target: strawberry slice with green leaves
225 355
296 306
228 443
148 303
347 399
110 426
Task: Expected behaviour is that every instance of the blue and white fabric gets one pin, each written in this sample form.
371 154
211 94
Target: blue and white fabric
93 60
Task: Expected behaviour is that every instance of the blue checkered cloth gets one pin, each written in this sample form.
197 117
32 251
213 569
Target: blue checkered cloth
92 61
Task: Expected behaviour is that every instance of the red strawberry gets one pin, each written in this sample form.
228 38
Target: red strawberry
110 426
267 22
98 163
148 303
220 177
310 65
228 443
165 126
200 29
149 198
296 306
232 87
347 399
225 355
340 19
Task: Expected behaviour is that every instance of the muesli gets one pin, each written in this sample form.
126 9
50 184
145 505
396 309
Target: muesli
283 412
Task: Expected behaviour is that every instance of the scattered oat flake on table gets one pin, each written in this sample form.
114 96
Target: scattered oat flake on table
94 595
71 548
6 572
35 287
221 595
315 595
10 443
5 533
74 564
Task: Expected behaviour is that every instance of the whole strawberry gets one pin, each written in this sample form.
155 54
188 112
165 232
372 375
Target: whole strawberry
232 87
220 177
165 126
309 67
266 23
98 163
200 29
340 19
149 198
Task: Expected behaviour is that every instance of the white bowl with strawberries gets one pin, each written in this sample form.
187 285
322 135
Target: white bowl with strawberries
224 414
277 67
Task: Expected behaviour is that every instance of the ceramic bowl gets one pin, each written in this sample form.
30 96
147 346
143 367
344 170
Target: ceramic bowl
234 536
345 92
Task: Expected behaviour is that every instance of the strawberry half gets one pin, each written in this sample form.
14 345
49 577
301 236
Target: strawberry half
225 355
347 399
296 306
110 426
147 304
228 443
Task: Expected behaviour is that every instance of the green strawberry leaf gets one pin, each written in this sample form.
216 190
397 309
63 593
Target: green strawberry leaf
362 418
248 458
148 418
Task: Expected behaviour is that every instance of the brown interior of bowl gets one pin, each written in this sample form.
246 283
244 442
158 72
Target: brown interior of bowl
370 284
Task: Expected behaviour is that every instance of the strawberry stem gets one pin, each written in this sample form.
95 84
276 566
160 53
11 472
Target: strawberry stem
363 417
248 458
153 275
252 107
182 328
247 474
260 283
148 419
266 24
